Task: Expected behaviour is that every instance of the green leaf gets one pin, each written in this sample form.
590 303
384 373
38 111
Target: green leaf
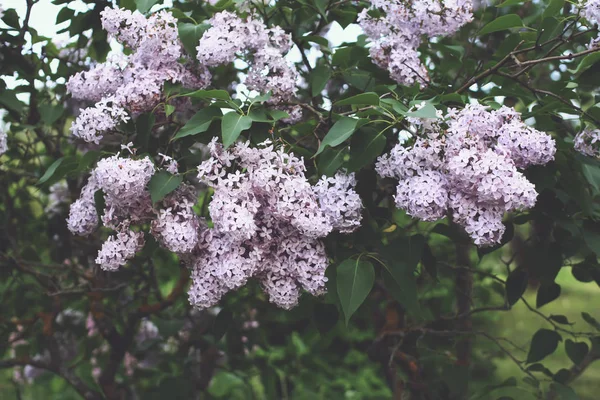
223 383
330 161
370 98
538 367
318 79
325 317
516 283
58 170
501 23
51 170
396 105
199 123
221 324
544 343
162 183
510 382
64 14
547 293
144 6
344 17
366 146
50 113
339 132
168 327
209 94
560 319
576 351
259 115
585 63
88 159
590 320
402 256
11 18
564 392
143 126
320 40
169 109
427 111
232 125
261 98
9 99
355 279
509 3
278 114
553 8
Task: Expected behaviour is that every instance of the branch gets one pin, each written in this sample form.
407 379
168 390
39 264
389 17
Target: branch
536 91
489 71
179 288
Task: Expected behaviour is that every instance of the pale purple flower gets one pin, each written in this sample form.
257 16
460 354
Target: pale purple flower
339 201
83 218
396 34
119 248
588 142
92 122
267 223
468 165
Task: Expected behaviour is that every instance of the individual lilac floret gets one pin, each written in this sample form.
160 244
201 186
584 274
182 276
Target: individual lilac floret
339 202
396 34
119 248
588 142
468 169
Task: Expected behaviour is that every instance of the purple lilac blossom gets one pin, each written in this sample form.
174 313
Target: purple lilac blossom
396 35
469 169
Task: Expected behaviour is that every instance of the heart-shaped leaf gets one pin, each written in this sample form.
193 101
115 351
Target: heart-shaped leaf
355 279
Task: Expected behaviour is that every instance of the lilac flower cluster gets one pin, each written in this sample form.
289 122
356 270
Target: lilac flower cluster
123 182
131 83
396 35
468 166
588 142
267 223
230 36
